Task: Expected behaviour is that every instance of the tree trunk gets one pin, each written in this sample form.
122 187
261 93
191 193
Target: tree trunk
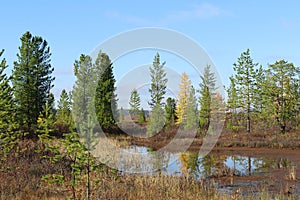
88 190
248 122
74 180
248 112
249 165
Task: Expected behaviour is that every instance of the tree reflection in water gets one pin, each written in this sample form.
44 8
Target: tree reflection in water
192 164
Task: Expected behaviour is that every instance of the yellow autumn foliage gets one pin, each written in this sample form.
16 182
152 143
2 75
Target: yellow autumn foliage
183 95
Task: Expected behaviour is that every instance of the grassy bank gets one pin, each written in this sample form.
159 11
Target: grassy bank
21 179
228 138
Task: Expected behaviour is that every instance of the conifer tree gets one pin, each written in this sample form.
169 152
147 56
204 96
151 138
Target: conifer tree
134 102
142 117
32 80
64 120
232 102
6 99
259 95
245 77
106 99
207 91
157 121
83 92
46 119
170 112
183 95
8 135
63 107
83 110
121 117
283 81
83 104
157 92
191 121
158 82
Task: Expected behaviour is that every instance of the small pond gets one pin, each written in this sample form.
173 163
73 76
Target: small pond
198 166
229 170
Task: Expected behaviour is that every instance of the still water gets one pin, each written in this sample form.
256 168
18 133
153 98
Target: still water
197 166
227 170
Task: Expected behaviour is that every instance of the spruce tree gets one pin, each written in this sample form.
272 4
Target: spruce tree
106 99
157 92
158 82
170 111
207 91
134 102
32 80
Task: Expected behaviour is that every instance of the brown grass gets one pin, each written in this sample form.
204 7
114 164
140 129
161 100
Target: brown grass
20 179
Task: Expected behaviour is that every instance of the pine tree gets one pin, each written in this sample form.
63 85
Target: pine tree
262 105
121 117
217 111
32 80
83 104
191 112
64 120
245 77
83 93
51 102
183 95
170 112
282 90
106 99
232 103
156 122
6 99
297 111
46 119
207 91
142 117
8 135
76 147
74 151
158 82
134 102
63 107
259 95
84 114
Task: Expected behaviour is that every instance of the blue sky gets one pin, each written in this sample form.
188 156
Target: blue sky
269 28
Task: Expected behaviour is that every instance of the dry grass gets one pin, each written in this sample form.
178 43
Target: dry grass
20 179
